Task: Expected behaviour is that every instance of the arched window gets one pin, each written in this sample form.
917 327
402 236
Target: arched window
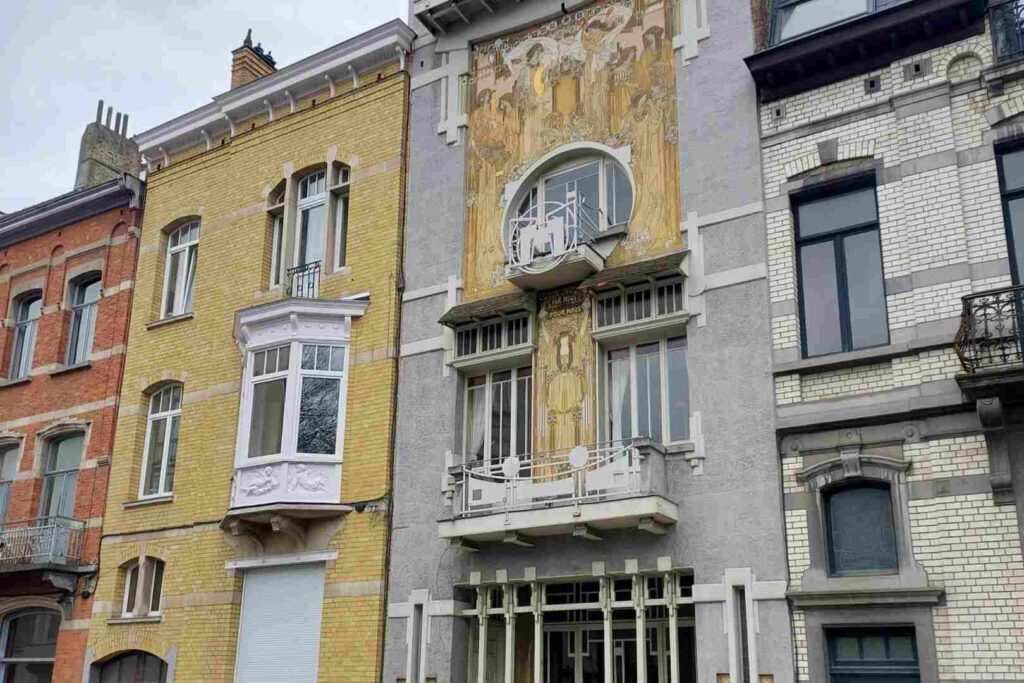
180 271
161 447
85 296
570 201
27 310
29 642
60 475
131 667
312 214
8 468
861 532
143 588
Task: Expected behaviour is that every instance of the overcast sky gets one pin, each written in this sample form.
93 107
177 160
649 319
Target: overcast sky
153 60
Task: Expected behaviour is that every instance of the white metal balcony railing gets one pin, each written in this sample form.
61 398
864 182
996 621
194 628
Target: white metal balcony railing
283 480
45 540
579 475
545 234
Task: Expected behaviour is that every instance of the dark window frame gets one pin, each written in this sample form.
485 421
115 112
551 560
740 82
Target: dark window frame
869 669
776 27
849 485
1005 197
823 191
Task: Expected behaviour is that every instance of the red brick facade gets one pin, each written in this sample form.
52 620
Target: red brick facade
54 401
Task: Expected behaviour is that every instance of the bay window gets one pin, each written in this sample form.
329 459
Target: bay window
295 399
161 446
647 389
180 270
85 296
498 415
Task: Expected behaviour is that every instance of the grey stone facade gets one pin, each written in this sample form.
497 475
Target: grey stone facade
729 537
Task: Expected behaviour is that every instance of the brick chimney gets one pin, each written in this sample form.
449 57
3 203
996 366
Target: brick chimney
249 63
106 151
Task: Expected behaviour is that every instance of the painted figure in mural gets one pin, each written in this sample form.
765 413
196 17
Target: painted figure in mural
564 397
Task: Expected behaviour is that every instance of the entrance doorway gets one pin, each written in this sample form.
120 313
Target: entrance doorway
574 653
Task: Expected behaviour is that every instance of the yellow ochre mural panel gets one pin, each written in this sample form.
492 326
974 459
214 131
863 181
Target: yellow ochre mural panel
603 74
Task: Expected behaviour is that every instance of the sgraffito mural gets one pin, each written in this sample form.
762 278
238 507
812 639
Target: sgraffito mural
602 74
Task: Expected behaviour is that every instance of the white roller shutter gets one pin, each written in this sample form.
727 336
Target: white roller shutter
279 631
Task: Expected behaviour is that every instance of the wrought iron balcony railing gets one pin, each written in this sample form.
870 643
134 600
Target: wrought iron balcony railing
45 540
1006 20
547 233
565 477
989 337
304 281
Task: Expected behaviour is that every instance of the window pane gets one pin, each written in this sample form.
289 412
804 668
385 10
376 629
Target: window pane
524 407
1013 169
8 462
171 284
341 231
813 14
33 636
66 454
869 325
873 647
277 244
337 359
837 212
678 390
902 647
311 238
620 195
308 356
648 391
619 423
318 415
820 299
158 585
861 534
476 418
172 456
1015 209
580 185
154 458
190 278
501 416
265 430
323 357
131 585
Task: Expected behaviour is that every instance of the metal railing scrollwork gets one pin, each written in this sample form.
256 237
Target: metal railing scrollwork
990 331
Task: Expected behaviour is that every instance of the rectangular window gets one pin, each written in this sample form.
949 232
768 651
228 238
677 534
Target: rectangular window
180 273
804 16
341 208
886 655
647 389
320 373
652 300
1011 185
276 246
270 382
498 414
492 335
842 288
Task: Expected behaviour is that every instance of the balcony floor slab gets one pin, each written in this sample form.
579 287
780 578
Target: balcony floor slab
560 520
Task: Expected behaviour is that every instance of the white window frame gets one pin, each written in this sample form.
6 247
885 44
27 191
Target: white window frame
277 251
605 389
145 586
341 193
604 165
506 322
621 294
21 363
151 417
84 316
488 457
293 395
184 301
304 204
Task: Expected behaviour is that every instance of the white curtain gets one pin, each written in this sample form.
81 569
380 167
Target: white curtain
618 394
477 397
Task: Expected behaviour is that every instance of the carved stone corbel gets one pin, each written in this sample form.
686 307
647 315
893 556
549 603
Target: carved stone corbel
291 528
993 422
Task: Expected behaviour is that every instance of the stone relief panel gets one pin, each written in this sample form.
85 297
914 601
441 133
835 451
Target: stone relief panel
604 74
290 481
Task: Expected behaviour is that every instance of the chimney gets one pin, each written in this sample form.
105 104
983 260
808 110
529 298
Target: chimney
249 63
106 151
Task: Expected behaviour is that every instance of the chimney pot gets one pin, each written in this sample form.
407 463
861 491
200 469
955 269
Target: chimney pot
105 153
249 63
117 123
124 126
110 112
99 111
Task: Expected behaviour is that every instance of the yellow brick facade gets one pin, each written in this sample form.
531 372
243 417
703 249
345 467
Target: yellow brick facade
226 188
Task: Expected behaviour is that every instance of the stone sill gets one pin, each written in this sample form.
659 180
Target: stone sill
169 320
70 368
15 382
145 502
848 359
153 619
865 597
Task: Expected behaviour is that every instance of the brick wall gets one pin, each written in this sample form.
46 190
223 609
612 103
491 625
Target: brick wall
225 188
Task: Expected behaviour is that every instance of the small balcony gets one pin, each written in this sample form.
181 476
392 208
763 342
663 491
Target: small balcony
989 342
45 542
555 243
580 492
1006 21
308 486
304 281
